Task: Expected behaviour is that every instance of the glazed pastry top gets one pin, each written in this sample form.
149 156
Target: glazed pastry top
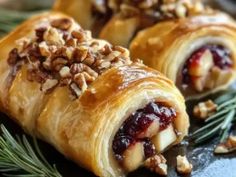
61 53
151 11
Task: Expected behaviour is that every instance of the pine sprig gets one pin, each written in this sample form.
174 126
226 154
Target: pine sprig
9 19
18 158
221 122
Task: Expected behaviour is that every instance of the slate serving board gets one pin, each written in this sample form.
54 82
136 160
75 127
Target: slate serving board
205 163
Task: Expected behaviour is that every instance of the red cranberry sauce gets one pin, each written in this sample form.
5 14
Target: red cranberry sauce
221 57
137 123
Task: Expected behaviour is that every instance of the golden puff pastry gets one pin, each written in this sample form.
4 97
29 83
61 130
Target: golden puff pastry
197 53
119 21
90 14
129 17
80 10
86 98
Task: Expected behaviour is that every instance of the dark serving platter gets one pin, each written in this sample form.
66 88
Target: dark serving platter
205 163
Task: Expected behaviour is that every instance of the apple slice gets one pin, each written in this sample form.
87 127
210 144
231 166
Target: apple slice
202 65
199 83
133 156
218 77
150 131
224 77
164 138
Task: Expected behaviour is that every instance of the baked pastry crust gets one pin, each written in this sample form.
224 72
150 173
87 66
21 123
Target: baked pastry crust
167 45
83 129
81 11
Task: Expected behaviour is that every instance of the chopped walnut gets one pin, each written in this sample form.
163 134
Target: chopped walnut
63 24
80 53
58 63
157 164
76 90
204 109
227 147
53 36
156 10
181 10
147 4
183 165
49 84
80 80
22 43
13 57
65 72
44 49
63 54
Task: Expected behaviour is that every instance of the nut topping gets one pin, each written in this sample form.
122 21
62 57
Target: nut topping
157 164
227 147
53 37
156 10
183 165
49 84
63 24
63 54
58 63
65 72
204 109
44 49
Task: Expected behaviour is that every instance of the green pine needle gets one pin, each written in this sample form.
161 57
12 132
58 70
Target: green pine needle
9 19
18 158
220 123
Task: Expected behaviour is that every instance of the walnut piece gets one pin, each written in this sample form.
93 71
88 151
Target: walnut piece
65 72
157 164
49 84
227 147
53 36
181 11
183 165
63 23
44 49
204 109
63 54
156 10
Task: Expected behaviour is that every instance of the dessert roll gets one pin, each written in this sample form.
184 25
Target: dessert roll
197 53
119 21
85 96
90 14
130 16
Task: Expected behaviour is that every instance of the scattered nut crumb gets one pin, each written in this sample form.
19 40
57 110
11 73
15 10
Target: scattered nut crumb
204 109
62 23
157 164
183 165
158 10
49 84
226 147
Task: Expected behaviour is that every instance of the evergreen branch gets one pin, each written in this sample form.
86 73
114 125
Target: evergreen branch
19 158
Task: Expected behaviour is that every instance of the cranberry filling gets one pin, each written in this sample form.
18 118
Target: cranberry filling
149 148
137 123
221 57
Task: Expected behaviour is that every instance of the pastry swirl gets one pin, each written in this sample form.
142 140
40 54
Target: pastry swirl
200 57
98 113
119 20
190 43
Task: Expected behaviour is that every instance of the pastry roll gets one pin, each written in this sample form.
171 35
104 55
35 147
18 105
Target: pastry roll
129 17
118 21
197 53
90 14
86 98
